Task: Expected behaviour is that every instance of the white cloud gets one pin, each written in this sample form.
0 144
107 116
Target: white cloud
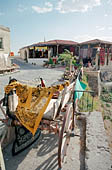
100 28
21 8
110 28
66 6
48 8
82 38
106 15
87 37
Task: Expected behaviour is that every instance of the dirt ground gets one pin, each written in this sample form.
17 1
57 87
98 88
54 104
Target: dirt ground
42 155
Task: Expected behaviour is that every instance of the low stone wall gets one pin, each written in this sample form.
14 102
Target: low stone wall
4 63
107 85
37 61
94 81
98 156
106 68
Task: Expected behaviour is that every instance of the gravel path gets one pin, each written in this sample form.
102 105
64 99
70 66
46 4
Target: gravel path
31 72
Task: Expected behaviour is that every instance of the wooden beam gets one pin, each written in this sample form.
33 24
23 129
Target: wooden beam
57 49
2 164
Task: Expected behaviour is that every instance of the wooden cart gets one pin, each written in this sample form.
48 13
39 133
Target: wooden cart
59 118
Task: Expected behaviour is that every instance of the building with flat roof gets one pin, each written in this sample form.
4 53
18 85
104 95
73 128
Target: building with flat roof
4 40
4 46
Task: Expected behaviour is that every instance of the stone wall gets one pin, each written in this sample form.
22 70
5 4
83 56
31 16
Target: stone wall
107 85
98 156
24 53
106 74
94 81
4 62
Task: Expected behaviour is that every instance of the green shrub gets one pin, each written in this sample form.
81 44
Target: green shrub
108 105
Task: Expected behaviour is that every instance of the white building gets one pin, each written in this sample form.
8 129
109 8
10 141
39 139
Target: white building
4 46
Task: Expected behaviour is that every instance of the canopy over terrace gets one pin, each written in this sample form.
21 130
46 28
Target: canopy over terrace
90 49
53 48
48 49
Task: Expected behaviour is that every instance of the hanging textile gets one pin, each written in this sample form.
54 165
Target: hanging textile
85 53
40 49
71 49
107 56
108 52
102 56
81 53
89 52
80 86
32 103
94 51
111 53
60 49
23 139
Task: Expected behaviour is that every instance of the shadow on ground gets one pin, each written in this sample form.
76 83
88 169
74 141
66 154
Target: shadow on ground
43 150
47 144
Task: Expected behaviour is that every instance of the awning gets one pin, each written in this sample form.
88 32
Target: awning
40 48
31 48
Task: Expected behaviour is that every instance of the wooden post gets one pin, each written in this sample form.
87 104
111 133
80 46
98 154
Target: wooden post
79 51
74 106
28 54
3 111
34 52
70 65
42 54
2 164
105 56
98 57
73 111
57 49
88 49
49 53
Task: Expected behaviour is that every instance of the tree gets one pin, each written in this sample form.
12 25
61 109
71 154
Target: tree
67 58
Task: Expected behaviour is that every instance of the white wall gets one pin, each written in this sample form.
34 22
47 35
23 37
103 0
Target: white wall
22 53
5 34
37 61
4 52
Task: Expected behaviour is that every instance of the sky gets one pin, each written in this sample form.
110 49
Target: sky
32 21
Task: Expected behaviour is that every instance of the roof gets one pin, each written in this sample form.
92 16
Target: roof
96 41
4 28
53 42
60 42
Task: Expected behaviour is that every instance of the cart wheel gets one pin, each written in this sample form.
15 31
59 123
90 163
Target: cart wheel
64 136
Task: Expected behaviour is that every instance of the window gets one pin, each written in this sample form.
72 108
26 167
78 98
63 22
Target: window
1 42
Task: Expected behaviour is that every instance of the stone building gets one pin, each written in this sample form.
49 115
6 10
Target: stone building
4 47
